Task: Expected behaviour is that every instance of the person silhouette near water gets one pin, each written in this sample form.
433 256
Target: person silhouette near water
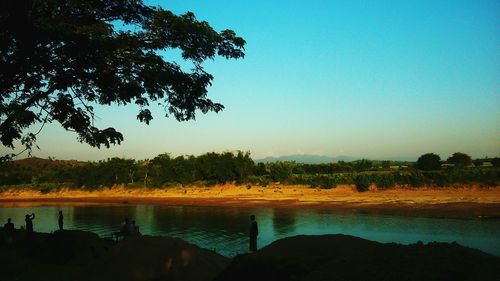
8 229
60 220
253 233
126 226
134 230
29 223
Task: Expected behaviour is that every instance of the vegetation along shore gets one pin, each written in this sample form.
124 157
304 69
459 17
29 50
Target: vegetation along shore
210 169
456 187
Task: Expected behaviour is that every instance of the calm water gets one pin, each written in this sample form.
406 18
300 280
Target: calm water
224 229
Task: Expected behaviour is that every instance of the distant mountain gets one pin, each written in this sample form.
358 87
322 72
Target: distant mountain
318 159
35 162
307 159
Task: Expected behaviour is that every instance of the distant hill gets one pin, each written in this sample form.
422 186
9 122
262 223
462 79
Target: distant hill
307 159
319 159
35 162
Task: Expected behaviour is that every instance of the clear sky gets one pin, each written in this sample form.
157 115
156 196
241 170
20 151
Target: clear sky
374 79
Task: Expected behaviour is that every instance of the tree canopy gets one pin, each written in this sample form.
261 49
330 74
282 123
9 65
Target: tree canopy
429 162
236 167
58 59
460 159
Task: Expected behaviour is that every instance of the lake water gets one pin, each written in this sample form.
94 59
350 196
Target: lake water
224 229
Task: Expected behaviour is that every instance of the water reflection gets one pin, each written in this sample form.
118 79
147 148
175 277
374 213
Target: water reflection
225 229
284 221
102 215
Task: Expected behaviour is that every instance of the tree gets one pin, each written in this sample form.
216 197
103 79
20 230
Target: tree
460 159
386 164
362 182
363 165
429 162
58 59
281 171
260 169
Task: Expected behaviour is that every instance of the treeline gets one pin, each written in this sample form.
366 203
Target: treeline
163 170
237 167
388 179
364 173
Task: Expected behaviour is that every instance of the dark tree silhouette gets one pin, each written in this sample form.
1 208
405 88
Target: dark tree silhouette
429 162
59 58
460 159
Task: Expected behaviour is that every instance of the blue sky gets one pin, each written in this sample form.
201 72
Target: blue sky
374 79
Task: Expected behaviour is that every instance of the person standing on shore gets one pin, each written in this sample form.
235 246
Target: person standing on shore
253 233
29 223
126 227
134 230
8 228
60 220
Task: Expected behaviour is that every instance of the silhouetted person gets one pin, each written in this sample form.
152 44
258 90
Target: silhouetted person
60 220
29 223
8 229
134 230
253 233
126 226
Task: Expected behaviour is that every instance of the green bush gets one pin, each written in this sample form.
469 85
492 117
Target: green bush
253 179
462 176
417 179
328 182
442 179
264 181
331 181
281 171
362 182
384 180
313 184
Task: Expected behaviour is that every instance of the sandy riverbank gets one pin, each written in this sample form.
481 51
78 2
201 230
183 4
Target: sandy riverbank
472 201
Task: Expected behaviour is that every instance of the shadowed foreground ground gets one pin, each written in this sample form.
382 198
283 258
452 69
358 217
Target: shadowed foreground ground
79 255
343 257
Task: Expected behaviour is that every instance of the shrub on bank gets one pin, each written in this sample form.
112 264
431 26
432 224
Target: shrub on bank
417 179
384 180
333 180
327 182
259 180
362 182
324 181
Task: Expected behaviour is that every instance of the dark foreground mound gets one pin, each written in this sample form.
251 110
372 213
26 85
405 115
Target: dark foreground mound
158 258
342 257
79 255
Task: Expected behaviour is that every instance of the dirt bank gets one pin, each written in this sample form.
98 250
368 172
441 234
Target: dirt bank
471 201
